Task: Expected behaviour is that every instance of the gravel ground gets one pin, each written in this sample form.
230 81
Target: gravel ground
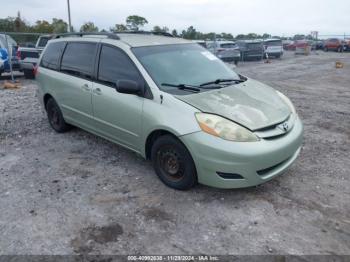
76 193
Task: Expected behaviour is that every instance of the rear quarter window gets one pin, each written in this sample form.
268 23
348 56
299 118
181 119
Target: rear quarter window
51 55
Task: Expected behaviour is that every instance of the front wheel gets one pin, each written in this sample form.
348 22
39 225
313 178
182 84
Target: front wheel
55 117
173 163
340 49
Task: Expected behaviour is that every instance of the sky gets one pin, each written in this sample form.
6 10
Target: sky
276 17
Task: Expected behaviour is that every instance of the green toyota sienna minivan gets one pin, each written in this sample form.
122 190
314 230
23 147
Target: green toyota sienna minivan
173 102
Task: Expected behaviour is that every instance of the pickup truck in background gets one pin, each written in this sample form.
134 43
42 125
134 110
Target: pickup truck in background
29 56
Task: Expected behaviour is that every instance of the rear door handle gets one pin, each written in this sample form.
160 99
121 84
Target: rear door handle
97 91
86 87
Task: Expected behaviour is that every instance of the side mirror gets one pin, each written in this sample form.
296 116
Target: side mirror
128 87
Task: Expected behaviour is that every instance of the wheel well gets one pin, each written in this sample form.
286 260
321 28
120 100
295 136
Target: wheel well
152 138
46 98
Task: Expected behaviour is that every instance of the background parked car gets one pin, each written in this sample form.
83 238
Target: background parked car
303 47
347 45
29 56
42 42
273 47
8 46
334 44
291 46
227 51
286 43
251 49
319 45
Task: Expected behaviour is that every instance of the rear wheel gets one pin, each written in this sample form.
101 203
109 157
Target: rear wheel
55 117
340 49
173 163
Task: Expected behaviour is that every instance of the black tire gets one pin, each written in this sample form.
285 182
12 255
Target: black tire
340 49
55 117
28 74
173 163
236 62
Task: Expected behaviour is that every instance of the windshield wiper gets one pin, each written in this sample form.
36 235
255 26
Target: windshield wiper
183 87
219 81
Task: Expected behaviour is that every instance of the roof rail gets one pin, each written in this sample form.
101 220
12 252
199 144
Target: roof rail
145 33
109 35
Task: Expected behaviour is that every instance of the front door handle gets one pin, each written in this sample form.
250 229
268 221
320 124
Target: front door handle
97 91
86 87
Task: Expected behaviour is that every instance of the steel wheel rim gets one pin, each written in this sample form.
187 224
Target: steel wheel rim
170 163
54 117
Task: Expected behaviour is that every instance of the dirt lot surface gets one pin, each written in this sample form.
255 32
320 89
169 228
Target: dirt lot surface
77 193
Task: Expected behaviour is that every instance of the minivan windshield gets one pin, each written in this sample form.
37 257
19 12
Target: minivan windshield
182 64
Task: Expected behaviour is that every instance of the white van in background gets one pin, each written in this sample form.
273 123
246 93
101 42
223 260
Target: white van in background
273 47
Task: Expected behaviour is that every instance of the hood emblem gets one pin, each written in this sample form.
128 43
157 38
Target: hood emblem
284 127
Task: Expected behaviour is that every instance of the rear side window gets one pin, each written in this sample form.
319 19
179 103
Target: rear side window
228 45
255 45
78 59
51 55
116 65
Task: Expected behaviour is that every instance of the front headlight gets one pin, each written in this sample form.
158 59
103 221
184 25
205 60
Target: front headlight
287 101
223 128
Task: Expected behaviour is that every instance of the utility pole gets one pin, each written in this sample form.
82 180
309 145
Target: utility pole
9 57
69 20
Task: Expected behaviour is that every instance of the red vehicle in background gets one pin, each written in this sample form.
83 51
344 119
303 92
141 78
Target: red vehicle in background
303 47
334 44
291 46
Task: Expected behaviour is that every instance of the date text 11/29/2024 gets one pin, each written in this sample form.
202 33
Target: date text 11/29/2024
173 258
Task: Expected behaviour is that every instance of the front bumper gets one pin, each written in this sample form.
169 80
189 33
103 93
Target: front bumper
254 162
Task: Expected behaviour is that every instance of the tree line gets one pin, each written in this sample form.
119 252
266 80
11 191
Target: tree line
132 22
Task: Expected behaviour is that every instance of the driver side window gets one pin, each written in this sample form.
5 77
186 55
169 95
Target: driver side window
115 65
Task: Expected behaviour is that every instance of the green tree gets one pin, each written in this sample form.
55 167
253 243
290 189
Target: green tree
118 28
159 29
59 26
7 24
190 33
298 37
227 36
174 33
134 22
266 35
89 27
42 26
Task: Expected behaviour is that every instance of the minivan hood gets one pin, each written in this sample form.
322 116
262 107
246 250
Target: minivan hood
251 104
